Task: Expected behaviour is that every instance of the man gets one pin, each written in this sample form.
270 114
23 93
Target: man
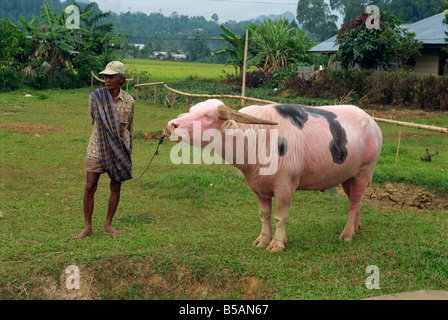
110 146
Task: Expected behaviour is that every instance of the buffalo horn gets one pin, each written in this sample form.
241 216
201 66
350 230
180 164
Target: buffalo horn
226 113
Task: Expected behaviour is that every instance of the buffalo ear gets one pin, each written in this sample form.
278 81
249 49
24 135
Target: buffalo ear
226 113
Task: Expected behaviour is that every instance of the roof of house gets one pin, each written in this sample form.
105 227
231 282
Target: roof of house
430 30
327 46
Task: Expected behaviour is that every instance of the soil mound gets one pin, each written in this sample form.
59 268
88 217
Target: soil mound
400 196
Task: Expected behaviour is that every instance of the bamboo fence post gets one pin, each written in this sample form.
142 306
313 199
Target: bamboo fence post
243 93
398 147
138 80
155 94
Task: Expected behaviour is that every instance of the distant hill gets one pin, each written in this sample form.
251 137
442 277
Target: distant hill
161 31
288 15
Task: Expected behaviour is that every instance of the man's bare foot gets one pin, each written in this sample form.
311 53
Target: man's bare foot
85 233
111 229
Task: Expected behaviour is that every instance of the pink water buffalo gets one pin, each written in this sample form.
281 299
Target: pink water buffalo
313 148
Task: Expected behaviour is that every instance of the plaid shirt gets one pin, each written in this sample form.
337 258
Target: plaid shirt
125 108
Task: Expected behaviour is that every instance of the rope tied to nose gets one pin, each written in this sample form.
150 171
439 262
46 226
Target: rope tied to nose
164 135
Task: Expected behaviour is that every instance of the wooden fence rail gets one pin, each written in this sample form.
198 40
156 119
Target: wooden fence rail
244 99
226 96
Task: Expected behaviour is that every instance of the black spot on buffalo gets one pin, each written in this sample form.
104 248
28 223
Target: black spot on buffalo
298 115
282 146
295 113
337 145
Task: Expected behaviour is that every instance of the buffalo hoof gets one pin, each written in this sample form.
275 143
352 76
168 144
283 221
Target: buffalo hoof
276 245
346 236
262 241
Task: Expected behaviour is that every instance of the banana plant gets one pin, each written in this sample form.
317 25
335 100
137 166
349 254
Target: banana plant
53 41
236 49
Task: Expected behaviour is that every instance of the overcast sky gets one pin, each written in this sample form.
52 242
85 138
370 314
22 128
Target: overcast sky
225 9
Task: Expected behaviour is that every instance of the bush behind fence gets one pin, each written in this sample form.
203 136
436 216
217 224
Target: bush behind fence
400 88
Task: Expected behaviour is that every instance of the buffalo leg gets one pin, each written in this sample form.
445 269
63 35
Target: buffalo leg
282 206
347 187
354 189
265 210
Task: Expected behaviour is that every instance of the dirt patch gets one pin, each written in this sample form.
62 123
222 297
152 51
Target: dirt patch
5 113
152 135
399 196
28 128
121 278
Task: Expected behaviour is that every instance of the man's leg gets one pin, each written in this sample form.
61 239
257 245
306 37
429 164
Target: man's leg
91 185
114 199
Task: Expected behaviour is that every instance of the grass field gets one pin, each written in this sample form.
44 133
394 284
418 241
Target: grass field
170 71
188 229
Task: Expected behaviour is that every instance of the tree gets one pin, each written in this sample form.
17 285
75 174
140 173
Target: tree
273 46
316 18
443 7
410 10
350 8
407 10
405 48
15 48
445 22
146 51
98 31
279 45
369 47
53 40
197 48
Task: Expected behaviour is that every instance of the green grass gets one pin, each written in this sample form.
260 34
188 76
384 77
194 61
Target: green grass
188 229
410 168
170 71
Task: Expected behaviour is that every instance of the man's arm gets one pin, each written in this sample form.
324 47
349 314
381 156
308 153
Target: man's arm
92 116
131 118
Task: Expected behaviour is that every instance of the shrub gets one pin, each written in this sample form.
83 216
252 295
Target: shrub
9 79
39 80
398 88
67 80
256 79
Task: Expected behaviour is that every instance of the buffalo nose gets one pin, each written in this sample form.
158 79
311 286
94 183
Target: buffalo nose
173 124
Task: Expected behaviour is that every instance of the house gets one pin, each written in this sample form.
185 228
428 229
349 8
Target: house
431 31
178 56
160 55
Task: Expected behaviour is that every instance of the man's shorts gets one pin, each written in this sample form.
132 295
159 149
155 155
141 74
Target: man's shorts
94 165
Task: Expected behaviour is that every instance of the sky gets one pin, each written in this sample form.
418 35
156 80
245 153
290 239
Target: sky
225 9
